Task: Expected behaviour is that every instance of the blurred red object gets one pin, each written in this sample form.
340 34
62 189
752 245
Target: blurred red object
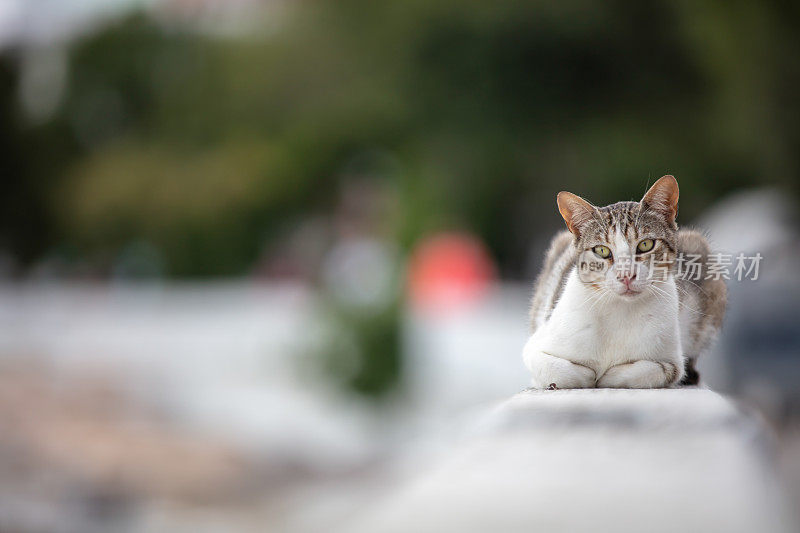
449 271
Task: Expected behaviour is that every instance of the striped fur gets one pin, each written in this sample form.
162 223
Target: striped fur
700 302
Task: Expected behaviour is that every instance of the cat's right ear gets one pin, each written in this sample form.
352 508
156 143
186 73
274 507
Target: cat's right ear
575 210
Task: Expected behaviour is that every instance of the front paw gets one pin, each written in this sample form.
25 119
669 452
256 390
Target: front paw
555 373
639 375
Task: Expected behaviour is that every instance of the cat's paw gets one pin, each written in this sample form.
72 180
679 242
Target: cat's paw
639 375
553 373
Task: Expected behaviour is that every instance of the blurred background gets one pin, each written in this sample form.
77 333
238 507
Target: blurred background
259 256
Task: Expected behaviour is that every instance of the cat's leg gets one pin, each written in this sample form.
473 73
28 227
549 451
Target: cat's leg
641 374
548 370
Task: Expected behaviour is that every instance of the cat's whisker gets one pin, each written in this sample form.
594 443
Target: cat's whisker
589 298
681 303
600 298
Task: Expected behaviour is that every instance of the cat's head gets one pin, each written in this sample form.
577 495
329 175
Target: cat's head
628 248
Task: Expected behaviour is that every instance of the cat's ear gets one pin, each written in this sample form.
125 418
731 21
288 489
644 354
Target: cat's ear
663 197
575 210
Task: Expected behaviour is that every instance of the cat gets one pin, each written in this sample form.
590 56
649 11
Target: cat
609 309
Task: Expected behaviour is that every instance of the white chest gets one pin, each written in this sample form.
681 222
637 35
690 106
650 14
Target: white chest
607 332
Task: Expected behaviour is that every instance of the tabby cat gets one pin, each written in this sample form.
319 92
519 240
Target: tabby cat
610 308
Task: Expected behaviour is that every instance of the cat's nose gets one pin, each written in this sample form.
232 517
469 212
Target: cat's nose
626 278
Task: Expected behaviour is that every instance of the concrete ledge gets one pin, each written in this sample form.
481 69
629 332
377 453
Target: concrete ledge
684 409
598 460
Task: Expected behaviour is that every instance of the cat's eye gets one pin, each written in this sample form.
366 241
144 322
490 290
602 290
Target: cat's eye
645 245
602 251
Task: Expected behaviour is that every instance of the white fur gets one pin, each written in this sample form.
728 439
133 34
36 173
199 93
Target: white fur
604 338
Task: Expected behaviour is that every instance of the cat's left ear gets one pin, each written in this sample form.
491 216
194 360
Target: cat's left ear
576 211
663 197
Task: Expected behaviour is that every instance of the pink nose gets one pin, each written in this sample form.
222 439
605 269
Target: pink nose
627 279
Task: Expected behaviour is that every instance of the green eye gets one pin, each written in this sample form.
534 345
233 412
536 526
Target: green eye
602 251
645 246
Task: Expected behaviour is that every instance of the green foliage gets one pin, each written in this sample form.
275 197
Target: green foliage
204 146
364 355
